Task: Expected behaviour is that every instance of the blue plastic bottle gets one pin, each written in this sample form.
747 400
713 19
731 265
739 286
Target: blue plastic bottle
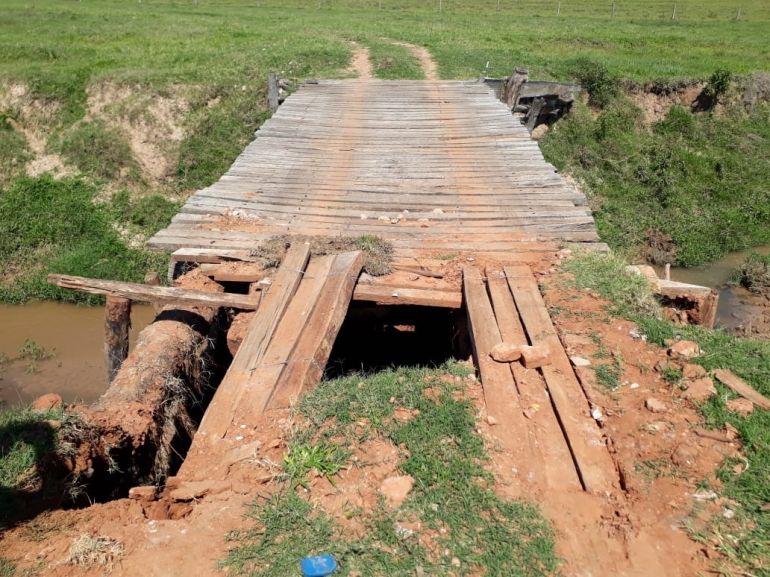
318 566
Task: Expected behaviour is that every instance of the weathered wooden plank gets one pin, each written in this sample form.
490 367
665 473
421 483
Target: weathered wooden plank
222 408
589 450
741 387
311 354
278 355
398 295
500 393
154 294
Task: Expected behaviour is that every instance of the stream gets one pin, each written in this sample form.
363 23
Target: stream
72 335
737 306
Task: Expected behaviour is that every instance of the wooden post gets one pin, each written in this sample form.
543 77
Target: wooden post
738 13
673 13
152 278
534 113
667 271
272 92
613 8
511 94
498 5
117 323
558 9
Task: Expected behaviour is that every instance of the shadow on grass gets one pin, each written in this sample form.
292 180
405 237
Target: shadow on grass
33 476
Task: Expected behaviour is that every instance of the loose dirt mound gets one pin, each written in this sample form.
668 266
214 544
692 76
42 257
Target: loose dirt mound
33 118
153 122
656 100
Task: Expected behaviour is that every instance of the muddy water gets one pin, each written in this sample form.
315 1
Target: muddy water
73 334
737 307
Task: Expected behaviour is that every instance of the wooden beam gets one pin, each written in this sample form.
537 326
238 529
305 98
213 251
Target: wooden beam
117 324
222 408
398 295
500 394
589 450
741 387
315 344
154 294
272 92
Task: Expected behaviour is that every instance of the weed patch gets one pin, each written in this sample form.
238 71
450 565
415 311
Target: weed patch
475 531
377 252
754 273
696 180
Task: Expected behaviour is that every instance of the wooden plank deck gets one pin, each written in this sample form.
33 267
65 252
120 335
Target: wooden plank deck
432 166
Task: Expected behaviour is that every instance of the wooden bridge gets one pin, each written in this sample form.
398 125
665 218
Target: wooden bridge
433 167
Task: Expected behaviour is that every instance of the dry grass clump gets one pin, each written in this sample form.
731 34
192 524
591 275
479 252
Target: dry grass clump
95 550
378 252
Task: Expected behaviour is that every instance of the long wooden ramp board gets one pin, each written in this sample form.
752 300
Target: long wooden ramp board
284 352
517 313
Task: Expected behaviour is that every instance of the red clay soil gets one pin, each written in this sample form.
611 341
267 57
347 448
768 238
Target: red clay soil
637 530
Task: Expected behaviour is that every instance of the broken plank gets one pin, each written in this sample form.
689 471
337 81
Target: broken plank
308 361
264 378
220 412
589 450
741 387
154 294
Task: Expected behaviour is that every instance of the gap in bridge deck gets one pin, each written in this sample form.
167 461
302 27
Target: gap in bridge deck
376 337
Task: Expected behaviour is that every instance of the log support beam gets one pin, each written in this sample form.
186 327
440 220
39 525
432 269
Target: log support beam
117 324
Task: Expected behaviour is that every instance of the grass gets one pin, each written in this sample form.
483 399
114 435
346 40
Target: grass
378 253
390 61
754 273
441 450
325 459
55 226
744 539
7 568
686 190
97 150
27 441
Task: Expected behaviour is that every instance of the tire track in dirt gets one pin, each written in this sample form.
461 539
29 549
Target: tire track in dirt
360 63
428 65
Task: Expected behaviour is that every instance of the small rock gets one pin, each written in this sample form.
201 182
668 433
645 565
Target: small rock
684 349
690 371
731 432
144 493
596 413
684 456
437 211
47 402
455 562
506 352
535 357
728 513
656 426
580 361
491 420
655 406
742 407
396 489
634 386
539 132
700 390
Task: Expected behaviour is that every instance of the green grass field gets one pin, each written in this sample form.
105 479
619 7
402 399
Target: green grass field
213 57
